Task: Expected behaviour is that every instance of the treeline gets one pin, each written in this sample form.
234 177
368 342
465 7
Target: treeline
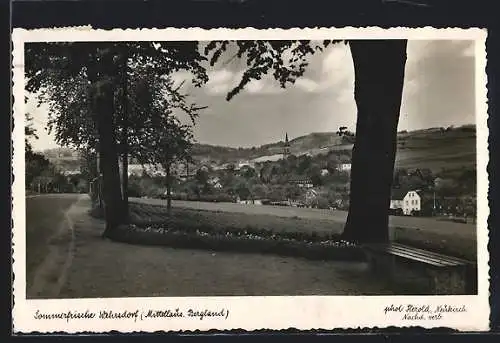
42 176
447 192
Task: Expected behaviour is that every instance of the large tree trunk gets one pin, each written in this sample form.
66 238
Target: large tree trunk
103 108
379 67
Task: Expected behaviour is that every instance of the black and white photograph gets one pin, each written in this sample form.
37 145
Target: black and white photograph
163 176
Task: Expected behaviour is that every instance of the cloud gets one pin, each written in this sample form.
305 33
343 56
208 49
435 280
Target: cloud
220 76
337 66
307 84
263 86
470 51
182 76
346 96
220 81
224 80
331 71
439 84
410 87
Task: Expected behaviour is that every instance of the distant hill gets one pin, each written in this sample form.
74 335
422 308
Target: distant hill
433 148
437 148
65 159
312 143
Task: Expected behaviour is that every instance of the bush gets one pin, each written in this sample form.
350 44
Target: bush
416 213
204 197
322 203
396 212
134 192
217 198
178 196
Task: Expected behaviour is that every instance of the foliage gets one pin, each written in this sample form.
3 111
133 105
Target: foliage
36 164
61 75
86 87
49 62
159 137
29 132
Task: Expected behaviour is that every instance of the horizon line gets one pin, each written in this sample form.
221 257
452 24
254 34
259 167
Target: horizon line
275 142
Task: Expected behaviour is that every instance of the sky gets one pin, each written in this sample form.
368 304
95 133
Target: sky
438 91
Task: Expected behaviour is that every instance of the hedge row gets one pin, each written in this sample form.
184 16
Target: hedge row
239 242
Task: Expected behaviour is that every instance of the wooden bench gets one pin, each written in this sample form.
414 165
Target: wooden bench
439 273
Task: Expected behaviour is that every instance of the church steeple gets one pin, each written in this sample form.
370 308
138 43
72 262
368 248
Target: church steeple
286 148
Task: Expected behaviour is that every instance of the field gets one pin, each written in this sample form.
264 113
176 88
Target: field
451 150
453 238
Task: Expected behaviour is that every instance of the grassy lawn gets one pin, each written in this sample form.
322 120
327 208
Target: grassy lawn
461 243
43 219
220 220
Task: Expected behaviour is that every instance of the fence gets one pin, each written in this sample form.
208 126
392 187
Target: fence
95 191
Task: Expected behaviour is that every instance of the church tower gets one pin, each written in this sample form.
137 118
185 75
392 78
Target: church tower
286 147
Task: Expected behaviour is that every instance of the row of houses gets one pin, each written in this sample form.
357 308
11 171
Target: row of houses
408 201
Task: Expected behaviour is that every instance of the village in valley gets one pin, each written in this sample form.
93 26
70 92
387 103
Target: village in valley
298 173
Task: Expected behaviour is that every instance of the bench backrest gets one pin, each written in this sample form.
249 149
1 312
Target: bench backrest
424 256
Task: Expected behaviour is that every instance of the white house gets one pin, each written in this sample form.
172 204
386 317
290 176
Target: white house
302 182
407 200
71 172
324 172
344 167
140 170
215 182
249 201
242 164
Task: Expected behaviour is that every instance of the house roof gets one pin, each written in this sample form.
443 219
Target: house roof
300 180
400 193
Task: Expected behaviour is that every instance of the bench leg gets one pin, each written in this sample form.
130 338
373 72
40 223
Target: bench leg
448 282
471 280
381 264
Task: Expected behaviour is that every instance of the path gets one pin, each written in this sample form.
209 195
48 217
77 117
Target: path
49 241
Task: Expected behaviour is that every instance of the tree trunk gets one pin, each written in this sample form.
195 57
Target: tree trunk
169 190
99 162
125 140
379 67
103 108
125 183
